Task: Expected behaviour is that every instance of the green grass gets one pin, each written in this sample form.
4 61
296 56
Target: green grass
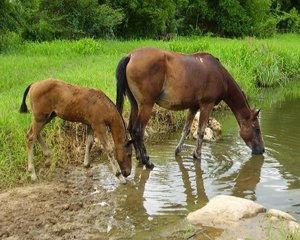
253 63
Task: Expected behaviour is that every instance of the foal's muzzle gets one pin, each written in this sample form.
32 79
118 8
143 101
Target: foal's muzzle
125 173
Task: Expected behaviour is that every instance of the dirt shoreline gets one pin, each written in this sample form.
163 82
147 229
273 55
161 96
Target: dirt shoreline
71 205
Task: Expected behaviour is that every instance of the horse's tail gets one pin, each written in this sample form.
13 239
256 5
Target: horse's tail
23 108
122 85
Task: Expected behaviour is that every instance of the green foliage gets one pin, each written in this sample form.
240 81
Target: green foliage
68 19
46 20
9 41
146 18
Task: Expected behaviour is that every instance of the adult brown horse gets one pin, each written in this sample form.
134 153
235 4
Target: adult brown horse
177 81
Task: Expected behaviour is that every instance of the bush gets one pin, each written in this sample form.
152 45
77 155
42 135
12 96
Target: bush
9 41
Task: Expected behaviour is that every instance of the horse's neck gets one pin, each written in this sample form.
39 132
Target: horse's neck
237 101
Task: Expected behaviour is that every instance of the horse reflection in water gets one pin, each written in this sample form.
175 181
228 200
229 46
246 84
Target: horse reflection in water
243 184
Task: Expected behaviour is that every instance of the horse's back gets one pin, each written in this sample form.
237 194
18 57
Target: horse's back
70 102
174 80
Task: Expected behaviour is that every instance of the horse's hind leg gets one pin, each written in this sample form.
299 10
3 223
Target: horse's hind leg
31 138
132 118
204 116
139 130
89 144
186 129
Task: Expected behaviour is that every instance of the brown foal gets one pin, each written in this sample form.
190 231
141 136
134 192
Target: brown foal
177 81
51 98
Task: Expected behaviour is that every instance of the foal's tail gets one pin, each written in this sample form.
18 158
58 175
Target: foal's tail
122 85
23 108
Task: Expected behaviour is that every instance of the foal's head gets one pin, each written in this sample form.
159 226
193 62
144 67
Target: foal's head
251 134
125 163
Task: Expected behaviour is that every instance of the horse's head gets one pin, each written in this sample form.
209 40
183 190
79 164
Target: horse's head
125 163
251 134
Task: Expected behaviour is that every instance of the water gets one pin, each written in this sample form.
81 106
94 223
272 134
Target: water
157 200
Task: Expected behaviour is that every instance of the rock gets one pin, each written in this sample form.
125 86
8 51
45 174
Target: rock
212 131
293 226
225 211
274 213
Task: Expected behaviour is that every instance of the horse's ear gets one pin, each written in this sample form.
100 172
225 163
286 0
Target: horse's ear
256 113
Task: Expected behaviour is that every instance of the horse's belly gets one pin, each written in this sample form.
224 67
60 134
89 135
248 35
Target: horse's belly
175 103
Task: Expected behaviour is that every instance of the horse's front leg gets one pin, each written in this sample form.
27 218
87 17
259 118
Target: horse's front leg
186 129
204 116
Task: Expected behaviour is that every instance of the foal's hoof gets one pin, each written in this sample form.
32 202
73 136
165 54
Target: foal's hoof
86 165
196 155
33 177
47 162
122 179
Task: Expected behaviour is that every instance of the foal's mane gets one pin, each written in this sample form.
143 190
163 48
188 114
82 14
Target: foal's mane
99 94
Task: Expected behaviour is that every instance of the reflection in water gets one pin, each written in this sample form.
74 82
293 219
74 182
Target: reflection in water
179 185
248 177
198 195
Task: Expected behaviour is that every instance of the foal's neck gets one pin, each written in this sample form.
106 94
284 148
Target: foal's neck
118 131
237 101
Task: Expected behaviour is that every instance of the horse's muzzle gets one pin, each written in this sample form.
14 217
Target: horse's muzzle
258 150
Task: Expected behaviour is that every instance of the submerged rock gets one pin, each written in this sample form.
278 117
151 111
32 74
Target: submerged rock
224 211
212 131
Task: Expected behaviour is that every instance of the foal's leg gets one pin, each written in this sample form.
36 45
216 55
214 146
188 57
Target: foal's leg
31 138
139 130
204 116
89 143
101 133
45 150
186 129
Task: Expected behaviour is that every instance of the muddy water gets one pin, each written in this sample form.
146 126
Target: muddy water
154 203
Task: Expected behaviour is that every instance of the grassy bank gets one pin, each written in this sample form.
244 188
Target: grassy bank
254 64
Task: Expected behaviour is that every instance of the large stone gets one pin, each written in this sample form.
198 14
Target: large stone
212 131
225 211
280 214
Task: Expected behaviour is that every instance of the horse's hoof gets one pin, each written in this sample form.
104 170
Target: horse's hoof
149 165
177 151
196 155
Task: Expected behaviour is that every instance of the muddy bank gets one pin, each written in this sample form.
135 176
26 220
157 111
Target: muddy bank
85 204
69 206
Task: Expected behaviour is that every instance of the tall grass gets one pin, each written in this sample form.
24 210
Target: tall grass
253 63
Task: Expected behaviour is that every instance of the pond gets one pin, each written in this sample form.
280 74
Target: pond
156 201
